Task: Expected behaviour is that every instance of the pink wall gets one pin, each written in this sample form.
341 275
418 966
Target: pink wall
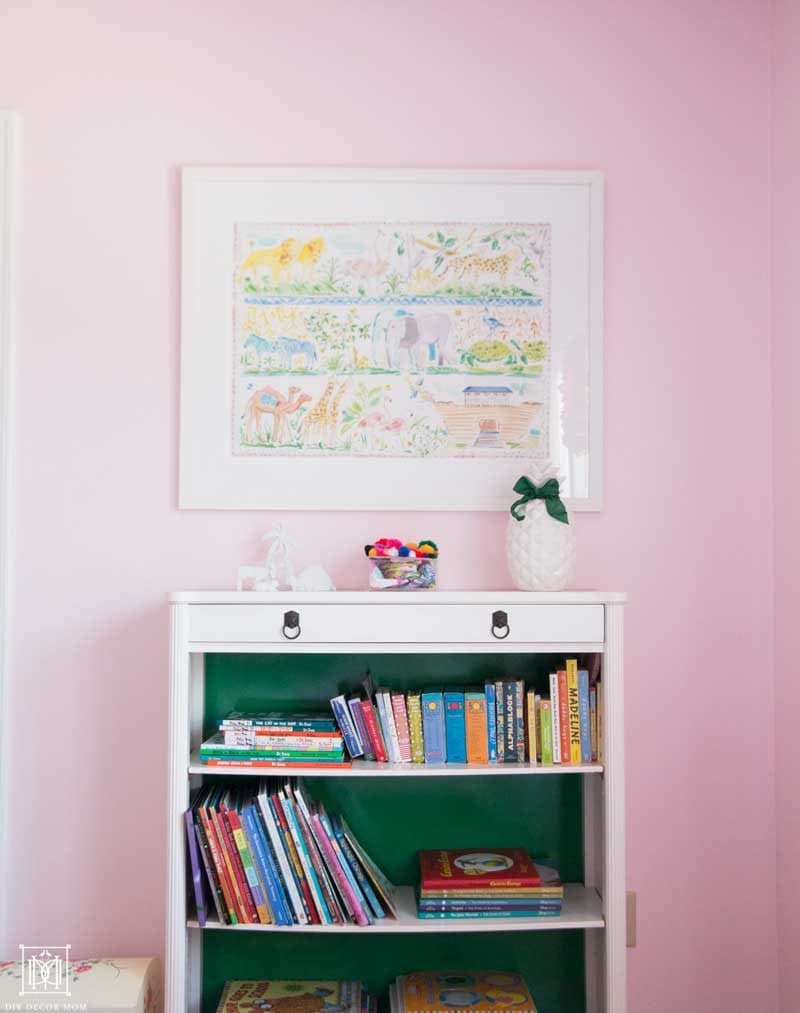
669 100
786 455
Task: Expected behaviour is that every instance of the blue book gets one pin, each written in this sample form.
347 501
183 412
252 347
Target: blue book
358 872
345 723
491 720
433 727
273 864
257 851
583 704
455 726
305 860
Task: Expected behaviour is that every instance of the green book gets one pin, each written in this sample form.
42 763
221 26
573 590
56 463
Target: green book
271 754
547 733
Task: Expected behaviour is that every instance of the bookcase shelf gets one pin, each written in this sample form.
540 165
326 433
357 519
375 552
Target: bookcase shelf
362 768
582 909
229 652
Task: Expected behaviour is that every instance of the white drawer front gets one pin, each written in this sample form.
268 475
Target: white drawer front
390 623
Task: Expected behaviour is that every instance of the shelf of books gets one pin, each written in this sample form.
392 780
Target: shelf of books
337 817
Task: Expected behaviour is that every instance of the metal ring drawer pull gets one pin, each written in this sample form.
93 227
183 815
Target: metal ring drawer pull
291 625
500 627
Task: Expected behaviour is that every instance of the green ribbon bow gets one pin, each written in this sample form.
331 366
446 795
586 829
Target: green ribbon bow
549 492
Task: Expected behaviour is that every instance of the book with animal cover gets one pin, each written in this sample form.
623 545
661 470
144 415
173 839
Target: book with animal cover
593 721
414 706
547 733
291 996
500 717
383 887
248 867
276 839
555 707
357 714
583 703
470 869
464 991
375 736
477 727
530 704
433 726
324 875
212 837
268 872
195 868
491 720
345 722
510 720
574 712
386 721
561 727
306 722
211 873
455 730
400 713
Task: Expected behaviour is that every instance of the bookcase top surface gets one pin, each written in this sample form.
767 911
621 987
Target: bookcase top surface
399 598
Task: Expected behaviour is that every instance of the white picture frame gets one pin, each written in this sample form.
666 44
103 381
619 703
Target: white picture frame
220 205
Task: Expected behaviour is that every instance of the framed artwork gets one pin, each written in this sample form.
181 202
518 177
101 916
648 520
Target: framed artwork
389 339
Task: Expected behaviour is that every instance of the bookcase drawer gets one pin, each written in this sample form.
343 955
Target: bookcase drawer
386 622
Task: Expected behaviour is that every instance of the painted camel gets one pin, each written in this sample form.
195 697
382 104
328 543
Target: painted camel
269 401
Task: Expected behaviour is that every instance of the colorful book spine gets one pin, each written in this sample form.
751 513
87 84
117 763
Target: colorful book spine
278 846
211 873
375 737
219 864
233 883
309 872
415 728
266 866
324 875
280 722
342 714
243 895
573 711
348 872
491 720
231 741
477 728
547 733
357 870
197 872
433 727
342 882
357 714
455 726
220 752
556 710
538 728
601 724
519 711
510 720
319 764
593 721
530 704
400 714
295 864
562 728
386 722
249 869
583 702
501 721
534 913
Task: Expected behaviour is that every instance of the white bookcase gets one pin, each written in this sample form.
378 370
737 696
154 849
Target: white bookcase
453 623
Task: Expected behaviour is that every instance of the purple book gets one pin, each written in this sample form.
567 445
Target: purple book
197 878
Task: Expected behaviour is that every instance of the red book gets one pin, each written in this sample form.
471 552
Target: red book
563 717
313 914
219 863
238 868
375 737
474 869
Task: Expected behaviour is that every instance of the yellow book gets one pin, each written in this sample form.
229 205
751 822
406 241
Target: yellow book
415 727
453 992
574 712
531 702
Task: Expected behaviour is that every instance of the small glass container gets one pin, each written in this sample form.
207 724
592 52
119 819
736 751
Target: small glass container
402 573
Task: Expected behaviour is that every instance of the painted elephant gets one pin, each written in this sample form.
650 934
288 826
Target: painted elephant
395 332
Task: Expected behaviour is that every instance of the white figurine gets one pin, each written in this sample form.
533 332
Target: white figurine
280 571
313 578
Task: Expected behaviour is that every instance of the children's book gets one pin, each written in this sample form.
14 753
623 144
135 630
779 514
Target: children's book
509 720
211 873
292 996
252 881
373 728
561 726
556 711
357 714
593 721
477 727
462 992
386 720
519 712
547 733
259 845
345 722
500 720
400 714
194 864
433 727
470 869
583 703
491 720
383 887
530 704
455 726
574 712
309 722
414 703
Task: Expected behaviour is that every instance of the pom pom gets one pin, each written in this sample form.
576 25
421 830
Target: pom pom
411 545
393 551
433 545
372 551
412 554
404 551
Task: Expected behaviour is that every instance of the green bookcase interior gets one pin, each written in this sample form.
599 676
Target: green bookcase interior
395 817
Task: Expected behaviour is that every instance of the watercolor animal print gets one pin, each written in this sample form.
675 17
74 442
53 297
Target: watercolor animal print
391 339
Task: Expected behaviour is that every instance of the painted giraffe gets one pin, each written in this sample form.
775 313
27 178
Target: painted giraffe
332 417
316 419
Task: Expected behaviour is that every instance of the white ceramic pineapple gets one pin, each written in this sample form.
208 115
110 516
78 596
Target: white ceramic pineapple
540 549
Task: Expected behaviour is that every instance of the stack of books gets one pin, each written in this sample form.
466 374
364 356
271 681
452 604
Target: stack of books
499 722
266 853
275 739
296 996
495 883
462 991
